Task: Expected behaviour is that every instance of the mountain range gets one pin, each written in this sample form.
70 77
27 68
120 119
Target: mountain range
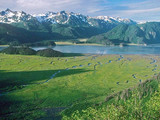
20 27
148 33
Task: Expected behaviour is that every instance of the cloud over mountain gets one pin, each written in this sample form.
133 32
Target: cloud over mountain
144 10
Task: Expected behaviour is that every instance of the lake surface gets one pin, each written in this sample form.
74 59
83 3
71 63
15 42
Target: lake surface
154 49
106 49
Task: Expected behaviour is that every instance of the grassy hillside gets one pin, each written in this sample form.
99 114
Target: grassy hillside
15 36
77 32
147 33
134 108
34 87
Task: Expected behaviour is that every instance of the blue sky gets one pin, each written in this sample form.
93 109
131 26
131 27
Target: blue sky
139 10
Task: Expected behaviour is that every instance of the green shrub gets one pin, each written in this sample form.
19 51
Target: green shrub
146 107
26 51
19 50
49 53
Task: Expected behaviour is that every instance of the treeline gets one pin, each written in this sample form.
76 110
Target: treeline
24 50
41 43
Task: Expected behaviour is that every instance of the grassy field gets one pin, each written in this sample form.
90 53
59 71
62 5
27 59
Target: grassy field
133 108
33 87
4 45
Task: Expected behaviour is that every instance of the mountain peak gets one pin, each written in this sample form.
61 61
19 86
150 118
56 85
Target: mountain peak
62 11
9 16
62 17
8 10
115 19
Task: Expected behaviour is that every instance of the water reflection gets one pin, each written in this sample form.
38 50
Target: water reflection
154 49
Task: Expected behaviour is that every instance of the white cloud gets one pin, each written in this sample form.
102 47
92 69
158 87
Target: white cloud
148 10
38 6
7 4
142 11
133 9
93 10
89 7
46 4
32 3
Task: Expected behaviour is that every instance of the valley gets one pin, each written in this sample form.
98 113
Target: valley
20 28
71 66
33 87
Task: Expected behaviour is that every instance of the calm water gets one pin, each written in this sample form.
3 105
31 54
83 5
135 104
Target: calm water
105 50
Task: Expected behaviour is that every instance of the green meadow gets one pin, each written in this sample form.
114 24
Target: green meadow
34 87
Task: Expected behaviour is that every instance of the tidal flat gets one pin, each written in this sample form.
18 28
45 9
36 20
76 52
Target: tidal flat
33 87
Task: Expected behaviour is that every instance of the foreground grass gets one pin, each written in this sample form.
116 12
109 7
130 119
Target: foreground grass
88 81
146 108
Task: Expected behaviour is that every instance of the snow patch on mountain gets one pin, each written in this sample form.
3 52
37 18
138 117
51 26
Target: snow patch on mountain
62 17
114 19
9 16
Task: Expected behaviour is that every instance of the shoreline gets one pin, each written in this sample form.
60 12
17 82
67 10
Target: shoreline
4 45
69 43
95 44
88 44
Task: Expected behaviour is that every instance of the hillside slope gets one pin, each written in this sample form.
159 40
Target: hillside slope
67 24
148 33
139 103
14 35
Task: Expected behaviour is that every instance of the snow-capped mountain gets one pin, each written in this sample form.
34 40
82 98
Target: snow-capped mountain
66 17
115 19
61 17
63 24
9 16
21 19
21 27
